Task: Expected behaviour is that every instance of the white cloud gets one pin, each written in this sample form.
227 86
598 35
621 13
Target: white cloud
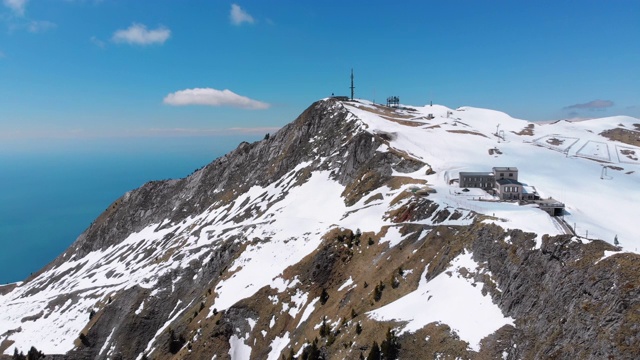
36 26
18 21
592 105
138 34
213 97
2 55
16 5
97 42
239 16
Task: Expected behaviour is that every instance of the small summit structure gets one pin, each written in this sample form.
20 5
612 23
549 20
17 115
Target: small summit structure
344 97
393 101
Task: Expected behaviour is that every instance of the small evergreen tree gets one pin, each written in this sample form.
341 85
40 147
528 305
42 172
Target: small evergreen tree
361 356
377 293
312 352
374 354
331 338
324 296
358 328
305 352
175 342
390 346
324 329
353 313
615 241
350 242
343 323
18 356
34 354
395 282
84 339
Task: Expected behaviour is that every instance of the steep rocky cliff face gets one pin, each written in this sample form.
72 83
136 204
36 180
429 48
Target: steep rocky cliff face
315 243
260 163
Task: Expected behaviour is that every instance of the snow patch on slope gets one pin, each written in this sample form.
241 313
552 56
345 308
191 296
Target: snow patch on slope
450 299
239 350
303 217
277 345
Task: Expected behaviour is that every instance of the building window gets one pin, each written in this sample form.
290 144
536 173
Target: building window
510 174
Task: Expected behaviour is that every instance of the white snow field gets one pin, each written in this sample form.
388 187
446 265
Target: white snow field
569 169
449 299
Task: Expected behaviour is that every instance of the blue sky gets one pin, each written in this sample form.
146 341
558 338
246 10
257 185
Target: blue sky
74 69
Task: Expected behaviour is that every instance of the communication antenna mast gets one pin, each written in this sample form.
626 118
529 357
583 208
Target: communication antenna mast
352 87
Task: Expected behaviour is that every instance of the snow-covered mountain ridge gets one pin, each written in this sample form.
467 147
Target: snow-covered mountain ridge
563 160
320 226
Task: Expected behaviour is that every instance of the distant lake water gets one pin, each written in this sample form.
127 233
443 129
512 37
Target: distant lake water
48 198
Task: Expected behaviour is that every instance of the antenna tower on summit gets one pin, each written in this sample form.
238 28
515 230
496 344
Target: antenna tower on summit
352 87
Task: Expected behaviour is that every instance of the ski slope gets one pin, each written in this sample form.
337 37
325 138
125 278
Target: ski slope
569 169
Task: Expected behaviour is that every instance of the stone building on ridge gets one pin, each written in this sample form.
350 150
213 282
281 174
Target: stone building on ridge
501 181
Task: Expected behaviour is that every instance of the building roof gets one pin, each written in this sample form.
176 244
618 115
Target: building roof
502 168
476 173
508 182
550 202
